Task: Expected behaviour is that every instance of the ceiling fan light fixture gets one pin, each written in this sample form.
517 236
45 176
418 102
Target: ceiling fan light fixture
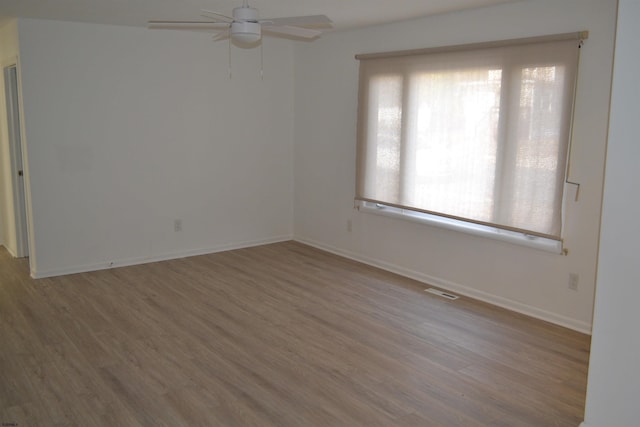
246 32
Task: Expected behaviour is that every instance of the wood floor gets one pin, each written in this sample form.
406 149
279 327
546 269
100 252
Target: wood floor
278 335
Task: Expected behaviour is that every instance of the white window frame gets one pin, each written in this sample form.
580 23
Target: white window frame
548 244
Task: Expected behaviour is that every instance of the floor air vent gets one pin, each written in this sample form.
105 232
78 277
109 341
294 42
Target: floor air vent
442 294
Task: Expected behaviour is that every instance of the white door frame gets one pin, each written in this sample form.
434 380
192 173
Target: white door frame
17 172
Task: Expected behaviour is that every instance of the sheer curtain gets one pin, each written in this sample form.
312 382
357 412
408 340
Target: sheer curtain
479 134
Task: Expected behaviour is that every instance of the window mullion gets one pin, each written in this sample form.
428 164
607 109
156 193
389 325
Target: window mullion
502 147
407 161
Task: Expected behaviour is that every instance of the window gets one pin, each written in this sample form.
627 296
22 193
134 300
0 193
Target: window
477 133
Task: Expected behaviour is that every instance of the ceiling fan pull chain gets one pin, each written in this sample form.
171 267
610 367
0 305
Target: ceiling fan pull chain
261 61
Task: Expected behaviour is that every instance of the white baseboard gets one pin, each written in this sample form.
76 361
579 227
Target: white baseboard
36 274
516 306
421 277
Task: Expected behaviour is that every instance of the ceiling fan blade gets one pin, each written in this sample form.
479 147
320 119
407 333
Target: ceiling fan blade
212 14
292 32
222 36
310 21
187 25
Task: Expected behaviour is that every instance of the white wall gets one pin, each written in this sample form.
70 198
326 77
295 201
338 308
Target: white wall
528 280
128 129
8 55
614 375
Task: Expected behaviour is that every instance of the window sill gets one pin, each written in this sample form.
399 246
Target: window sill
535 242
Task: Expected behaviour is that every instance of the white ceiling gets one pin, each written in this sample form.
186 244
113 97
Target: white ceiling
345 13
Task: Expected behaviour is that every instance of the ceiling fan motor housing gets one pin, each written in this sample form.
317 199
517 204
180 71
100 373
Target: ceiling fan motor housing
245 27
245 14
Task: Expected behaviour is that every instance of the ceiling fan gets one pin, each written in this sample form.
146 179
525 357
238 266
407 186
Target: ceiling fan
246 28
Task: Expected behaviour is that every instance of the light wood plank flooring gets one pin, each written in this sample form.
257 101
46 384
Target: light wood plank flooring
277 335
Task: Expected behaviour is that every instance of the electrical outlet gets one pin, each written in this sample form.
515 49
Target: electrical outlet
177 225
573 281
349 225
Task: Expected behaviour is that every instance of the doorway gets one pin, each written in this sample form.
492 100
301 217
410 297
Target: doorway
17 166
